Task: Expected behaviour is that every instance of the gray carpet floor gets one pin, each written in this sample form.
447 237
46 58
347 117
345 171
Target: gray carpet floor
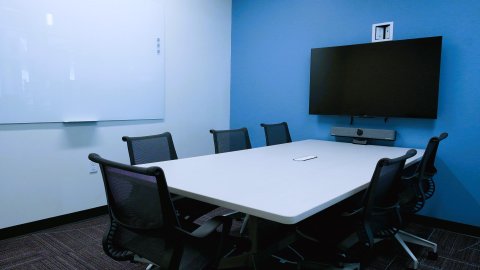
78 246
455 251
71 246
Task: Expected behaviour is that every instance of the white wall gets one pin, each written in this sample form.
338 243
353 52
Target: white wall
44 167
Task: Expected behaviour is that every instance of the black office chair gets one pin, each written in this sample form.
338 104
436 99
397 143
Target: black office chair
230 140
276 133
419 187
143 224
148 149
427 182
378 217
160 147
380 214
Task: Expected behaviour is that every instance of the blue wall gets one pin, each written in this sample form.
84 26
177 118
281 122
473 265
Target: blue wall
271 42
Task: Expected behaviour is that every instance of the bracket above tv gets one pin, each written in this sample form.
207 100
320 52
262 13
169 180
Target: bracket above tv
352 117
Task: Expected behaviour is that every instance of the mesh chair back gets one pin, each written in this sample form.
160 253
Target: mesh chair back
138 198
381 216
276 133
148 149
231 140
385 183
423 185
427 164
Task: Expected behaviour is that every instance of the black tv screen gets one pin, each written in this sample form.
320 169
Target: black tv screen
388 79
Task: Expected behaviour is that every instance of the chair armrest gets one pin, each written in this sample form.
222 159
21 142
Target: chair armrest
209 228
177 197
352 213
385 210
211 225
410 178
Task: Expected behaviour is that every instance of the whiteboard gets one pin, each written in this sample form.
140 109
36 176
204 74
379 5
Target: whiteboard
81 60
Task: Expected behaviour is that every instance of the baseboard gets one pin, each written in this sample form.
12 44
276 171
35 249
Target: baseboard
447 225
51 222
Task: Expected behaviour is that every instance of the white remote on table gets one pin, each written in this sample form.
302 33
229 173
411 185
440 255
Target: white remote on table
305 158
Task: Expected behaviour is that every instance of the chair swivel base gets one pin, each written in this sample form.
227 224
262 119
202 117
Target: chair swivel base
403 237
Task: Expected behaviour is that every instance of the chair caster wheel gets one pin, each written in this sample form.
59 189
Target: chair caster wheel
432 255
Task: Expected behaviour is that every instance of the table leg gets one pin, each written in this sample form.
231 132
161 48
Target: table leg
256 256
246 259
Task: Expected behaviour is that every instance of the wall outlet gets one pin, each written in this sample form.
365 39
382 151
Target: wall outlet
93 167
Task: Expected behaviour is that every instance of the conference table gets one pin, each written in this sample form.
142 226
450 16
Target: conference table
267 183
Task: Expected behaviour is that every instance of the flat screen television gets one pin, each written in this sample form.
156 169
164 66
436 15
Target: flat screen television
387 79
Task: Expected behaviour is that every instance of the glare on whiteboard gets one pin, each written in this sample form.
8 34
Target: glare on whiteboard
72 73
49 18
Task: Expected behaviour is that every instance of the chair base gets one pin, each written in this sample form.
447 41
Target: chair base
403 237
139 259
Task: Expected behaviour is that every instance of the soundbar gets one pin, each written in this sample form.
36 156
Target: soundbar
360 135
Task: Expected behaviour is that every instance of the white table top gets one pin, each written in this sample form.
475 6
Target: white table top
266 182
